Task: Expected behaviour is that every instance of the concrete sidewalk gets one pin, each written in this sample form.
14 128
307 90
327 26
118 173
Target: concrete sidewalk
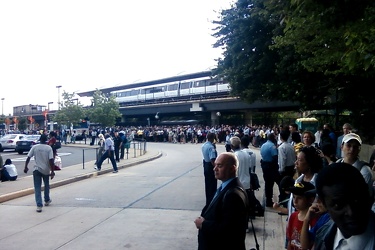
24 186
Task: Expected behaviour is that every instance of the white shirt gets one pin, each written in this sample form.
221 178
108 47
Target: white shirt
363 241
42 154
11 169
244 164
286 156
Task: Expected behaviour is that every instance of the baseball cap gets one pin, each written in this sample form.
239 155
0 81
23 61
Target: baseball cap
352 136
302 188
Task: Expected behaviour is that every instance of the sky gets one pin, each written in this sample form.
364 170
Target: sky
84 45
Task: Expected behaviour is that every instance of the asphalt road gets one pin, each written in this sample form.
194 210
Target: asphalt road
69 156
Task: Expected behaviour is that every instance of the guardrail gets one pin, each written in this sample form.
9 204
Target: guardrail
137 146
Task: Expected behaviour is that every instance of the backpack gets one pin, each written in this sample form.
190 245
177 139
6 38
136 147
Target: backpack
254 181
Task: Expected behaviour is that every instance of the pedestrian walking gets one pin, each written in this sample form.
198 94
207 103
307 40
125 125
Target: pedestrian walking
43 170
109 153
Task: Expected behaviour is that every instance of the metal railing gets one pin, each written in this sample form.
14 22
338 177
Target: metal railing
138 147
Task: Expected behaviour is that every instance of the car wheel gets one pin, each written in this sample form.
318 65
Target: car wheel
20 152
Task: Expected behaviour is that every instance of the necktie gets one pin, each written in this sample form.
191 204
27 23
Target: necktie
218 191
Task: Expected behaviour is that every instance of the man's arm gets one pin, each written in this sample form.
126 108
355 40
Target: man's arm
26 164
52 167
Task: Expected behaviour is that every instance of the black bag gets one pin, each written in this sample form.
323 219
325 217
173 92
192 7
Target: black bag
57 145
254 181
255 207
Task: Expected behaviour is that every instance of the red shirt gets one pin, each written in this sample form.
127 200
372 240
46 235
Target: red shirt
293 231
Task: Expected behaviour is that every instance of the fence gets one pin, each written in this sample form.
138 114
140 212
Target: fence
137 146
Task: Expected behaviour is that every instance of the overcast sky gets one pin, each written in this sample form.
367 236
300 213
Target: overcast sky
85 45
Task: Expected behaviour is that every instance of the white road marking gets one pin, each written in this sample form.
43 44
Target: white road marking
25 157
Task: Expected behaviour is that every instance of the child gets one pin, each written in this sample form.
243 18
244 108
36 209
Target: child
302 200
317 209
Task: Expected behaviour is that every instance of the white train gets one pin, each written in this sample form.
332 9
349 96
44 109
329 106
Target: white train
192 89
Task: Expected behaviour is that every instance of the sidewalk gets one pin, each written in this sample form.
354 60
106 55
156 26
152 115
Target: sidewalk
24 186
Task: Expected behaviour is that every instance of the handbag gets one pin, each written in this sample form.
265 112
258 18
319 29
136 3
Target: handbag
254 181
58 163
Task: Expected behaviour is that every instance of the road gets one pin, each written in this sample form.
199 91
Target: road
69 156
148 206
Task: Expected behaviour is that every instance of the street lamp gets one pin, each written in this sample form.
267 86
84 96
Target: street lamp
2 106
58 97
49 104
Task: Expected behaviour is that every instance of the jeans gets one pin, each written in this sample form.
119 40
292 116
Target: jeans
111 158
38 176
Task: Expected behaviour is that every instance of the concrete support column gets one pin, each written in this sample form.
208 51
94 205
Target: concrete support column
249 117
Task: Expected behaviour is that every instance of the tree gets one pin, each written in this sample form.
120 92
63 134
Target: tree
71 111
104 109
248 64
22 125
317 53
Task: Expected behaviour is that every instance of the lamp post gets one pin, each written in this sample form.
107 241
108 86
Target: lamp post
2 106
49 104
58 97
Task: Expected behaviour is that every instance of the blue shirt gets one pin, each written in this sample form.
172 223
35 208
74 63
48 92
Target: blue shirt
323 219
209 151
225 183
268 150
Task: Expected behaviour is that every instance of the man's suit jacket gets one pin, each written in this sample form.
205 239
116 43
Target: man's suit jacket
226 220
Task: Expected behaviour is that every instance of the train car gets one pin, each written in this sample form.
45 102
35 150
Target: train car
190 88
185 88
209 86
172 90
122 96
152 92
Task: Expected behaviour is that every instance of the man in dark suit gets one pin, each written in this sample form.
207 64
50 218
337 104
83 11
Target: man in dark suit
223 223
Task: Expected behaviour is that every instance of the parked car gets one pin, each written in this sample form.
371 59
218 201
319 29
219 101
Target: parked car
9 141
26 143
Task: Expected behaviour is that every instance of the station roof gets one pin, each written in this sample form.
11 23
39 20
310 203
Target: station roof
147 83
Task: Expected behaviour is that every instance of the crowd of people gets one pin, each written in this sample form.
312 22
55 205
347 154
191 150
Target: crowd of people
325 190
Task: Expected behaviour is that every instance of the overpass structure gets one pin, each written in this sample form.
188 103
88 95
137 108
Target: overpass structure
203 106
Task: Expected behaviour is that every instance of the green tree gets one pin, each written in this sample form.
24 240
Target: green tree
104 109
71 111
249 65
317 53
22 125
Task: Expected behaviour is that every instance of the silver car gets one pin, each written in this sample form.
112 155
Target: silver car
9 141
